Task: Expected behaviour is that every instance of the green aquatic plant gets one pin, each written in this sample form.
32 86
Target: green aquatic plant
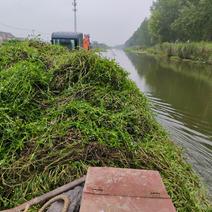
200 52
62 111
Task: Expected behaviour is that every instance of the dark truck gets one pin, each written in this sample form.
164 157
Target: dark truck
70 40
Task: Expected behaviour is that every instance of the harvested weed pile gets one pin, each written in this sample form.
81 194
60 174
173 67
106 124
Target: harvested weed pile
62 111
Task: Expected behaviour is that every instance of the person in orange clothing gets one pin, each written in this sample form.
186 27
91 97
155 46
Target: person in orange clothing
86 42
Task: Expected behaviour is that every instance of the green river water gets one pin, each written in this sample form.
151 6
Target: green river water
181 97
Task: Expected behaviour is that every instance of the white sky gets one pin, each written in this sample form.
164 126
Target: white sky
108 21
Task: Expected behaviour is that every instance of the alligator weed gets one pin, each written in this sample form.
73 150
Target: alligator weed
62 111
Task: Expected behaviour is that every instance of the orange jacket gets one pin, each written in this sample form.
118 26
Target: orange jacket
86 43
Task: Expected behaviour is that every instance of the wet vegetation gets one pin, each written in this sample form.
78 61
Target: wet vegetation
201 52
197 52
62 111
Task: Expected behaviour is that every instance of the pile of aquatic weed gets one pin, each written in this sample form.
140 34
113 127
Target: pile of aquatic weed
62 111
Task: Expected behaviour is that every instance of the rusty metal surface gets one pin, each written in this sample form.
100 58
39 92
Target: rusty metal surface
124 190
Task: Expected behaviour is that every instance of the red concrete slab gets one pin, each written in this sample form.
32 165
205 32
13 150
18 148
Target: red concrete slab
124 190
125 182
104 203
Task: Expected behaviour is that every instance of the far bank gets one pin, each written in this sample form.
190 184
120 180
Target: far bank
198 52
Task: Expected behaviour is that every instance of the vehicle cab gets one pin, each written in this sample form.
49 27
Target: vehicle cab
70 40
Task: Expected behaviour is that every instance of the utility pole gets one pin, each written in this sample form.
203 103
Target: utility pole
75 15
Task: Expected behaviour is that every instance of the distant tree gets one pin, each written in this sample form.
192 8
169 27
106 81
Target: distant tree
141 36
97 45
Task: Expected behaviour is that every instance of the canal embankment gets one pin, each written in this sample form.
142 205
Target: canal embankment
63 111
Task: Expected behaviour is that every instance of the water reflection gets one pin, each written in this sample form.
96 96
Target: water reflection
189 94
181 96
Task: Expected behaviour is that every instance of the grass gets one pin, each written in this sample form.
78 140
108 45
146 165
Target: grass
62 111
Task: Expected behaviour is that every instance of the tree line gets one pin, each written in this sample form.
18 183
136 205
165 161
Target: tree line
173 21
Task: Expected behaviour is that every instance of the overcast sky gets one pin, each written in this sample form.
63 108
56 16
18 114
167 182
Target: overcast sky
108 21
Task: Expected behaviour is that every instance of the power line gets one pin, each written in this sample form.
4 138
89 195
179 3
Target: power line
25 29
14 27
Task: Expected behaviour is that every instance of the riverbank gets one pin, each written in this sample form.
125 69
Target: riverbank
63 111
193 52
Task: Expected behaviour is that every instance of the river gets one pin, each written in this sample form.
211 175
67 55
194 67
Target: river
180 94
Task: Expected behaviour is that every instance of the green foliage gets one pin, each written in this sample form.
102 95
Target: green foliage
183 20
195 21
187 23
164 13
62 111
